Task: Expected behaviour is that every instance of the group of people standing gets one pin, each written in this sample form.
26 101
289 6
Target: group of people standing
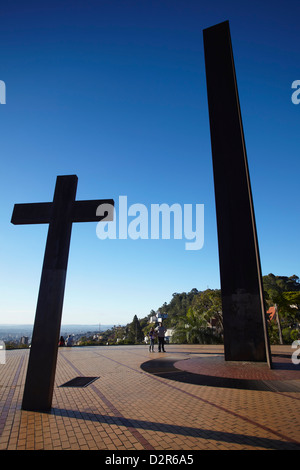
67 342
159 331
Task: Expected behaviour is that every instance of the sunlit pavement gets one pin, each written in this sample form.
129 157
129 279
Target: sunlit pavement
187 398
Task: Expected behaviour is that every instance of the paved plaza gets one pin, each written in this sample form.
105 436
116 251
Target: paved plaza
187 398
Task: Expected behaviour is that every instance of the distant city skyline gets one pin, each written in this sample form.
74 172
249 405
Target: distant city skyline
115 92
15 332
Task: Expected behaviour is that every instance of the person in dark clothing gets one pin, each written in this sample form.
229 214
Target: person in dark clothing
152 338
161 337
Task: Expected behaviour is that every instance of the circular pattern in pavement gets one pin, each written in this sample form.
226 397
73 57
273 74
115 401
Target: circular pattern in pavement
212 370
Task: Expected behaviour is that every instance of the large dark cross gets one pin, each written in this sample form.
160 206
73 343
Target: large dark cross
244 320
59 214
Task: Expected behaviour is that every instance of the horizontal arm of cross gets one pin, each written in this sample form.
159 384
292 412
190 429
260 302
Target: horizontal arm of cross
36 213
41 212
85 211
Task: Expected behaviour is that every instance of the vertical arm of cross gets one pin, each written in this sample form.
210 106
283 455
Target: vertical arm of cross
59 214
43 355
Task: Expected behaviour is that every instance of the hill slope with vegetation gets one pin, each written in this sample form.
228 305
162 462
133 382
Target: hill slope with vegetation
196 316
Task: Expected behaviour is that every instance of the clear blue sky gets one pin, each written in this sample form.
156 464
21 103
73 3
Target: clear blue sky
115 92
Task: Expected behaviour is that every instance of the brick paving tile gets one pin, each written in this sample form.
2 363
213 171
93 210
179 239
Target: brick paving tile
186 399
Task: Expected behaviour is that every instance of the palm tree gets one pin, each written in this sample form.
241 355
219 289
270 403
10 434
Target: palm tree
203 322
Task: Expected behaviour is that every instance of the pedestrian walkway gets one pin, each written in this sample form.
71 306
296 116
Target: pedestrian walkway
188 398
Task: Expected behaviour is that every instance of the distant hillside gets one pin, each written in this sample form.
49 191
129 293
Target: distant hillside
16 331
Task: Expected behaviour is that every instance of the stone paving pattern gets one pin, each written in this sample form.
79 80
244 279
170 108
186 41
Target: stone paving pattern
188 398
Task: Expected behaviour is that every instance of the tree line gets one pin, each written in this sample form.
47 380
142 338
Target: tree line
196 316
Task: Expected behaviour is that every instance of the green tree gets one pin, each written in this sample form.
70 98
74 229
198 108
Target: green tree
208 305
203 321
177 307
274 286
135 332
284 293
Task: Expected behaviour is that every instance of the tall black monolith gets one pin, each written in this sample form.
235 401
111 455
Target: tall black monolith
245 329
